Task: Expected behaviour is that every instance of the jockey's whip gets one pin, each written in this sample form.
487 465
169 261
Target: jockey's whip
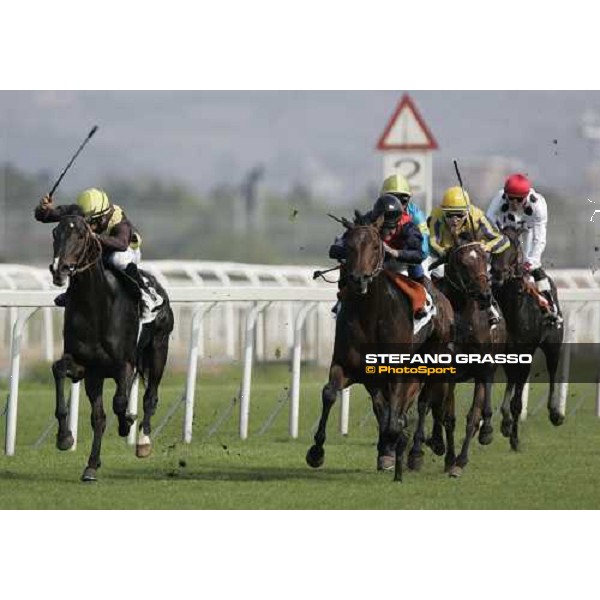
317 274
465 197
343 221
87 139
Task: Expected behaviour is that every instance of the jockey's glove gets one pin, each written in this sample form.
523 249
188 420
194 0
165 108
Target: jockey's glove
391 251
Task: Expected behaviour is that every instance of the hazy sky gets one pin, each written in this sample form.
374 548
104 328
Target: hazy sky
324 139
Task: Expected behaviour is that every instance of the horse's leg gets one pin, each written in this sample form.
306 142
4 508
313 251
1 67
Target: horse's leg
400 399
94 384
157 359
516 404
486 432
386 455
124 382
337 382
551 351
62 368
439 393
506 425
473 421
415 456
450 426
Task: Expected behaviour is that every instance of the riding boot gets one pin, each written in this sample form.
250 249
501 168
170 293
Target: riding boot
61 299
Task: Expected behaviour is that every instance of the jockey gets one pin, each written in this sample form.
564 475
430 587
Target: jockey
119 240
519 204
395 206
397 185
456 215
402 240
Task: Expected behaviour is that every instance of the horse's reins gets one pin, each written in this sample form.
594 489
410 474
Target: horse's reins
89 238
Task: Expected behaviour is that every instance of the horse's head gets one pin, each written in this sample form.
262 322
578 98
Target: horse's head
74 242
365 254
509 264
467 271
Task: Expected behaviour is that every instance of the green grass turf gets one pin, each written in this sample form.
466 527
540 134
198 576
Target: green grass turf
557 468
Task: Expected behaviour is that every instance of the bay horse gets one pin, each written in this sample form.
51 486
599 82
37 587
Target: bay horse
527 331
375 312
101 326
466 284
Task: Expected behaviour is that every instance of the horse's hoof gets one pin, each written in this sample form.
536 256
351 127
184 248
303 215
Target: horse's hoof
398 477
556 418
505 427
143 450
315 457
386 463
514 444
437 446
448 464
89 475
66 442
455 471
415 462
486 435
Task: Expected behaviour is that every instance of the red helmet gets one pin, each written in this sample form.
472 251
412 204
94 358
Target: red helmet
517 185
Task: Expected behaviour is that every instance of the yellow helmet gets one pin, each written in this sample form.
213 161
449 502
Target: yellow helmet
396 184
455 199
93 202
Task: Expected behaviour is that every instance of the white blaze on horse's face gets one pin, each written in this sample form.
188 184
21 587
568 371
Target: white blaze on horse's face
473 254
55 263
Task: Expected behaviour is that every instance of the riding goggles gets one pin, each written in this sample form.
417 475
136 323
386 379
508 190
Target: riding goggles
455 214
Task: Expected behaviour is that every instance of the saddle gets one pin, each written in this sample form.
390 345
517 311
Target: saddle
416 293
129 283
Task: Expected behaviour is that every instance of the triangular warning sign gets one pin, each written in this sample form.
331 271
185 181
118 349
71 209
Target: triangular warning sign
406 129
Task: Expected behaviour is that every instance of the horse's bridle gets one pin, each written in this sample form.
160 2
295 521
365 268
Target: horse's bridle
366 279
460 285
90 238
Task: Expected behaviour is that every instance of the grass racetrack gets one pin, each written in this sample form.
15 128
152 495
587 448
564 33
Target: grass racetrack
557 468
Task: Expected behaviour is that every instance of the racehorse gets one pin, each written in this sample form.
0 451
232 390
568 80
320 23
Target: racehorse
374 312
101 325
467 286
527 331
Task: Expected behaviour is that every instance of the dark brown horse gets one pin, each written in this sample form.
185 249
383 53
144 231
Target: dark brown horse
374 312
101 325
467 286
527 331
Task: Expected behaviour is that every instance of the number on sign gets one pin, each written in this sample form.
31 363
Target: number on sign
409 167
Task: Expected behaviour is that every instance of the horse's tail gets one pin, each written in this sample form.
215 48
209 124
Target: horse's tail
144 353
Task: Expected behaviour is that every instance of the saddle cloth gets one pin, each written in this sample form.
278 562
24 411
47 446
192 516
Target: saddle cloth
420 299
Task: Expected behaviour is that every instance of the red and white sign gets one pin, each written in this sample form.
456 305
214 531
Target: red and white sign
407 145
407 130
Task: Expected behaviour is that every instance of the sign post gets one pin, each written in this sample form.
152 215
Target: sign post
407 145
